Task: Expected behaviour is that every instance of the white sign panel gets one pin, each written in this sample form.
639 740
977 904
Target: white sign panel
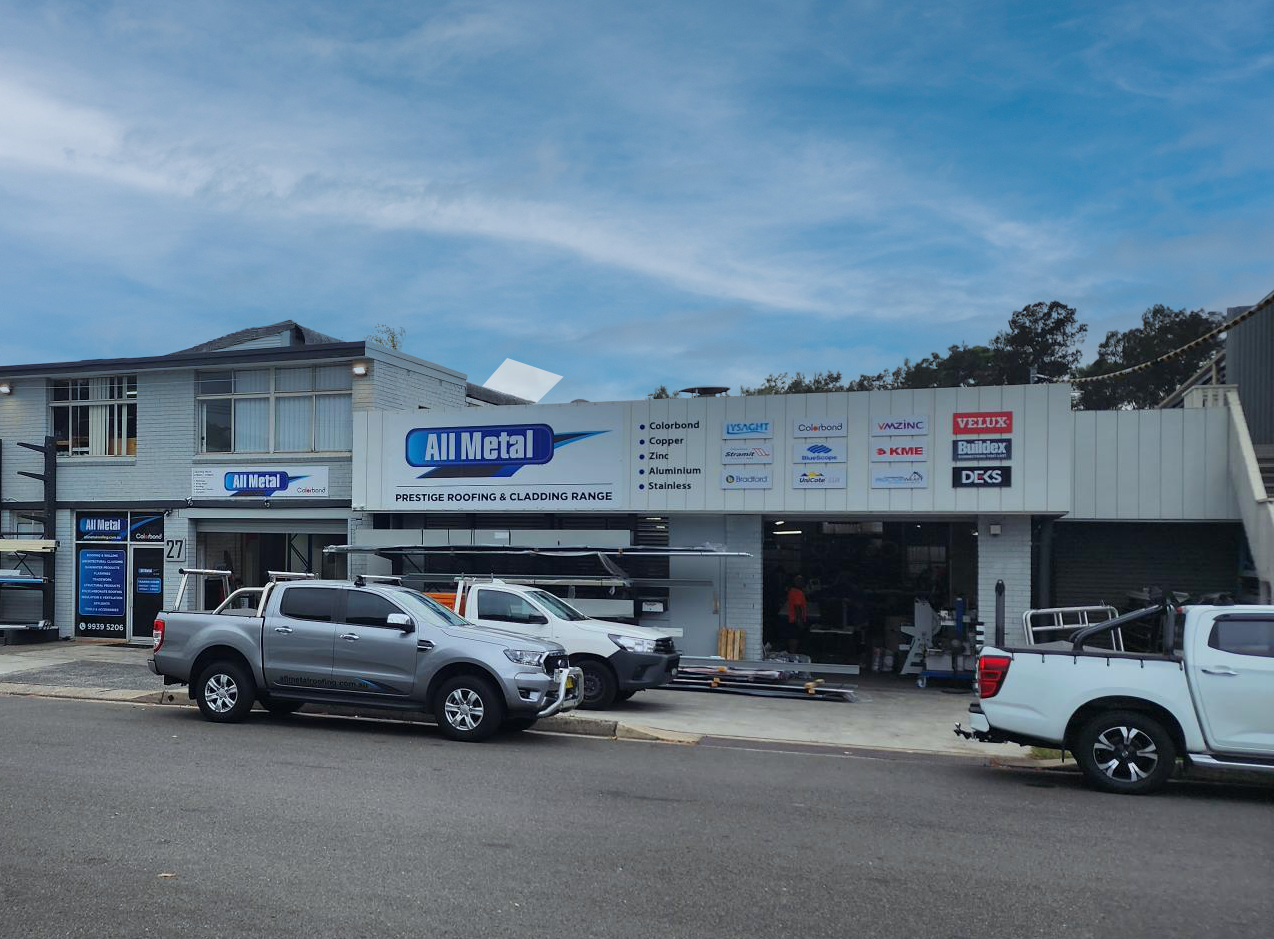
232 481
900 478
900 425
909 452
509 459
732 453
822 477
820 452
819 427
748 478
733 430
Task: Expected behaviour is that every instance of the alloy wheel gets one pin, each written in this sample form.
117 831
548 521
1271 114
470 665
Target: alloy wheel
1125 754
464 709
221 693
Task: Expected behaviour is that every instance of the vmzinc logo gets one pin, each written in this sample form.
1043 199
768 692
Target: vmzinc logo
489 451
258 482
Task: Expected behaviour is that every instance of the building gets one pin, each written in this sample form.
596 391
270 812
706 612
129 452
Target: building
233 453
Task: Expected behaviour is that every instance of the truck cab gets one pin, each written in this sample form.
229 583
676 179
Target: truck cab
617 659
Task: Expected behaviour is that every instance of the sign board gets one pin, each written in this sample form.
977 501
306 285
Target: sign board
748 478
981 477
900 453
260 482
819 427
818 452
900 478
913 425
809 477
101 590
101 526
981 448
733 430
732 453
982 422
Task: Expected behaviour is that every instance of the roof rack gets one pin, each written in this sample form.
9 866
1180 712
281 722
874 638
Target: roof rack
361 580
291 575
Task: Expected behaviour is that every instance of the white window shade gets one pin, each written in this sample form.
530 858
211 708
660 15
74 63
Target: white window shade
251 425
253 382
293 423
333 377
294 379
333 422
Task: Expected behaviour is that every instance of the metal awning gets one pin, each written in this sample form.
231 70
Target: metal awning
566 551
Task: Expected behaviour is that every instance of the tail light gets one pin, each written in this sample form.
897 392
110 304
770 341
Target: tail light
159 635
991 672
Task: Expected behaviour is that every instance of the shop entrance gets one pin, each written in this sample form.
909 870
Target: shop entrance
861 580
250 556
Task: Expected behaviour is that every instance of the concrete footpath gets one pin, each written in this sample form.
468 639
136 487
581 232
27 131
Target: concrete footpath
890 713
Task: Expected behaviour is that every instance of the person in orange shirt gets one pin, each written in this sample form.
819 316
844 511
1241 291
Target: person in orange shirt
797 612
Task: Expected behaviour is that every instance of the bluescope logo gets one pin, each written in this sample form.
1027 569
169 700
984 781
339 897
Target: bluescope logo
489 451
258 482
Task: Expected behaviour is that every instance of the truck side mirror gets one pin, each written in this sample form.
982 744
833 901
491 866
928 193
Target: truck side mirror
401 620
537 619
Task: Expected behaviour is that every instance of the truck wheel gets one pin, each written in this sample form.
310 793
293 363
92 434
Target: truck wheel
225 692
468 707
600 687
1127 752
518 724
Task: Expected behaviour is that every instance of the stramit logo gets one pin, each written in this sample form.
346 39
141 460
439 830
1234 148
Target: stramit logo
982 422
914 425
497 450
748 429
914 452
982 448
747 453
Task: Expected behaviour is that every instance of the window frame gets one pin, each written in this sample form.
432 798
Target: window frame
119 413
332 592
272 395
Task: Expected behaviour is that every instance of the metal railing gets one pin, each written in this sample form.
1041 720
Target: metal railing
1255 506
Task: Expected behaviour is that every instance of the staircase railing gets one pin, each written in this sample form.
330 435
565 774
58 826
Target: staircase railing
1254 502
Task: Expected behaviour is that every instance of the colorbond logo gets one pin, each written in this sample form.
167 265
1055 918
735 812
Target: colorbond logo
914 452
982 422
819 427
747 453
981 477
914 425
818 453
984 448
748 429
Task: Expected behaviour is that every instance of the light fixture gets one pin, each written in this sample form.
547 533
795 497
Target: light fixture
993 529
780 523
360 369
5 388
788 531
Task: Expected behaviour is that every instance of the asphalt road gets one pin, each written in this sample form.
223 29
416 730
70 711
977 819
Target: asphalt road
125 820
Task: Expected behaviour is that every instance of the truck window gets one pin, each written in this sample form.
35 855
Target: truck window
1243 636
504 607
368 609
559 606
312 603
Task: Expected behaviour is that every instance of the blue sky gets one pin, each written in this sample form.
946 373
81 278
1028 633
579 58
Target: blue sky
630 194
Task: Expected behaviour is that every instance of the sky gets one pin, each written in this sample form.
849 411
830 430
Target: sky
627 194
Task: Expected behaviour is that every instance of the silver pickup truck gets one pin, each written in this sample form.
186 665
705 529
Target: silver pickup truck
363 642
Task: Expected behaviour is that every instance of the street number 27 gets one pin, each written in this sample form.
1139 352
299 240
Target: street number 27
175 549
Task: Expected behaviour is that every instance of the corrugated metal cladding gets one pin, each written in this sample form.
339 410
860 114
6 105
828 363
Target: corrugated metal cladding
1249 355
1096 562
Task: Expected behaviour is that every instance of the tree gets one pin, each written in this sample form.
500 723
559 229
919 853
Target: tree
388 335
1041 339
662 392
1162 330
797 384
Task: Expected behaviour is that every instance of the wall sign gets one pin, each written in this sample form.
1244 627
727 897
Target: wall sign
732 453
101 526
747 478
819 427
901 478
900 426
101 584
982 422
901 453
982 448
981 477
103 559
733 430
809 477
818 452
270 482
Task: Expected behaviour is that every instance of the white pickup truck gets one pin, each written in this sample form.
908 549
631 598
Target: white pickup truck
617 659
1204 694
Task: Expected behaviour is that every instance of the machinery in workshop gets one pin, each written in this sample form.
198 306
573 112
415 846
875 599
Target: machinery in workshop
942 645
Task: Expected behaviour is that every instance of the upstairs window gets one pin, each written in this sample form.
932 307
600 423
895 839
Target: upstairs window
95 417
305 409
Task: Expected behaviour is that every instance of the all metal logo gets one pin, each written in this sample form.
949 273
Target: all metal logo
485 451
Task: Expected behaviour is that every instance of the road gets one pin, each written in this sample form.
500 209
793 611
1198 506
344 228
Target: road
127 820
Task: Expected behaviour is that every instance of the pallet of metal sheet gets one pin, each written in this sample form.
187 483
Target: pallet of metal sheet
814 690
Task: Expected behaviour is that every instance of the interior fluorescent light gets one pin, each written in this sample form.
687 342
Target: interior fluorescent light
788 531
780 523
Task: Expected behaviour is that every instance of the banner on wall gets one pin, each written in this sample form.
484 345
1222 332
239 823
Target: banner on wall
108 545
259 482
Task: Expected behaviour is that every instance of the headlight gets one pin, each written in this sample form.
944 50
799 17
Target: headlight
633 645
525 657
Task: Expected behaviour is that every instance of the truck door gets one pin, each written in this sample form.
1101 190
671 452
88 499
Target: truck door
370 656
1233 674
297 642
504 609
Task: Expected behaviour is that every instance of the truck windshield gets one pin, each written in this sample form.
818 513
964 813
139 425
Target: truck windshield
429 609
560 607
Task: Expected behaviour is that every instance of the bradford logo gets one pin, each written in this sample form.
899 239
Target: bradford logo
258 482
491 451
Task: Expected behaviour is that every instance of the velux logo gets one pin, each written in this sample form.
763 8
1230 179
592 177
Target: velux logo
496 450
982 422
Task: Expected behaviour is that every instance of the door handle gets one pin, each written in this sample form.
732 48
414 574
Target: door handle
282 629
350 637
1224 670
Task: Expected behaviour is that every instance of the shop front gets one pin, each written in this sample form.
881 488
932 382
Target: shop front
119 573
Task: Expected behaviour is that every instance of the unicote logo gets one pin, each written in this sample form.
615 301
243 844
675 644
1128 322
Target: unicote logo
258 482
490 451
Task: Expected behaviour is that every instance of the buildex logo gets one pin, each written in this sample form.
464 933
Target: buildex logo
258 482
982 448
491 451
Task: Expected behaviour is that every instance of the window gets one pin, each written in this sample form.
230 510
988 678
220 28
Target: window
367 609
1243 636
301 409
95 416
559 606
505 607
311 603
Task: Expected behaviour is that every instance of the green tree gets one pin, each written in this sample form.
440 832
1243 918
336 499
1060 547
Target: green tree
1041 339
388 336
1162 330
798 384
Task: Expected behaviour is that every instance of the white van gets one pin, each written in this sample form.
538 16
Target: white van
617 659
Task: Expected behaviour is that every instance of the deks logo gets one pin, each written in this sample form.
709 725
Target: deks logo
258 482
491 451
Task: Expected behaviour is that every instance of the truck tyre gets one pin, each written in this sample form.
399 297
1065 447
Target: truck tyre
1128 752
600 686
468 707
225 692
518 724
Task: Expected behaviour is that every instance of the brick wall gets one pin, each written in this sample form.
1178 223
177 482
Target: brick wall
1007 557
395 388
743 594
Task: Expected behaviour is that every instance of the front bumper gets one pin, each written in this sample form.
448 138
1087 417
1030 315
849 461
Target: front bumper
568 692
638 670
